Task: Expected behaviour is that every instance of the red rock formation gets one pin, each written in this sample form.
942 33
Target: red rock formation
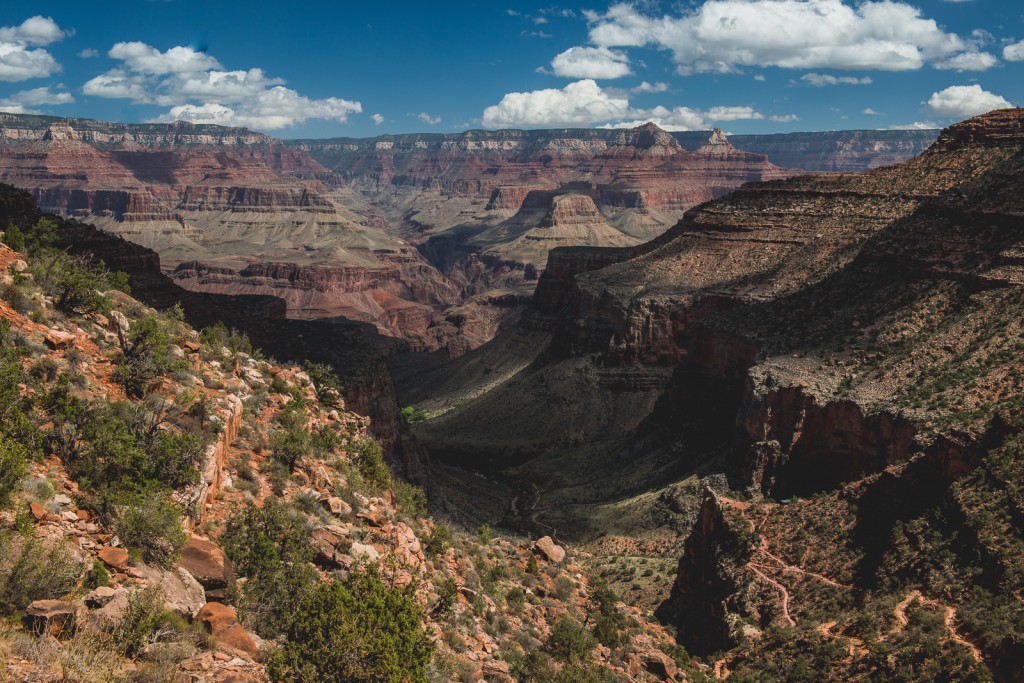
502 166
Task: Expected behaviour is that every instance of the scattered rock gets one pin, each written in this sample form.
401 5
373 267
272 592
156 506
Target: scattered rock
51 617
548 548
38 512
336 506
115 558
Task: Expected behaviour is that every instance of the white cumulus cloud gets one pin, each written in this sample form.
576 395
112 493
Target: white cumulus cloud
143 59
591 62
1014 52
37 30
726 35
377 119
965 100
197 88
650 87
968 61
21 49
24 102
428 119
584 103
916 125
821 80
733 114
578 104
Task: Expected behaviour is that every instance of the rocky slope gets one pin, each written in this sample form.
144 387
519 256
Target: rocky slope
176 507
807 336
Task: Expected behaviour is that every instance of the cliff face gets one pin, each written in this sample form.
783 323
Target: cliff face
230 212
829 151
500 167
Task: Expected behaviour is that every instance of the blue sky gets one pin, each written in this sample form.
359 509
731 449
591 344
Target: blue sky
324 69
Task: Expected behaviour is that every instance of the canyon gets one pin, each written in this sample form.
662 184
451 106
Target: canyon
788 424
435 240
787 373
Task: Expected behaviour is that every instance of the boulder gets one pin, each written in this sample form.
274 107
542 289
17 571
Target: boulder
326 541
51 617
56 339
336 506
658 664
38 511
100 596
207 563
61 500
547 547
221 622
361 551
495 668
115 558
182 594
112 609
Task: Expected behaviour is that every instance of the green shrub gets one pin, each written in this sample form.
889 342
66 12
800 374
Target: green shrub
218 337
413 414
570 639
13 466
30 571
149 525
122 451
98 576
270 547
14 238
328 387
325 441
146 355
412 500
359 631
516 599
42 235
144 617
447 598
439 540
609 621
289 445
370 462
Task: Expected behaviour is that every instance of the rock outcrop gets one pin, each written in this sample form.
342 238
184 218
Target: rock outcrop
230 210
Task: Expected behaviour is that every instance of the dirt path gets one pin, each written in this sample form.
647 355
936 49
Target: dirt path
955 636
782 589
765 559
949 619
